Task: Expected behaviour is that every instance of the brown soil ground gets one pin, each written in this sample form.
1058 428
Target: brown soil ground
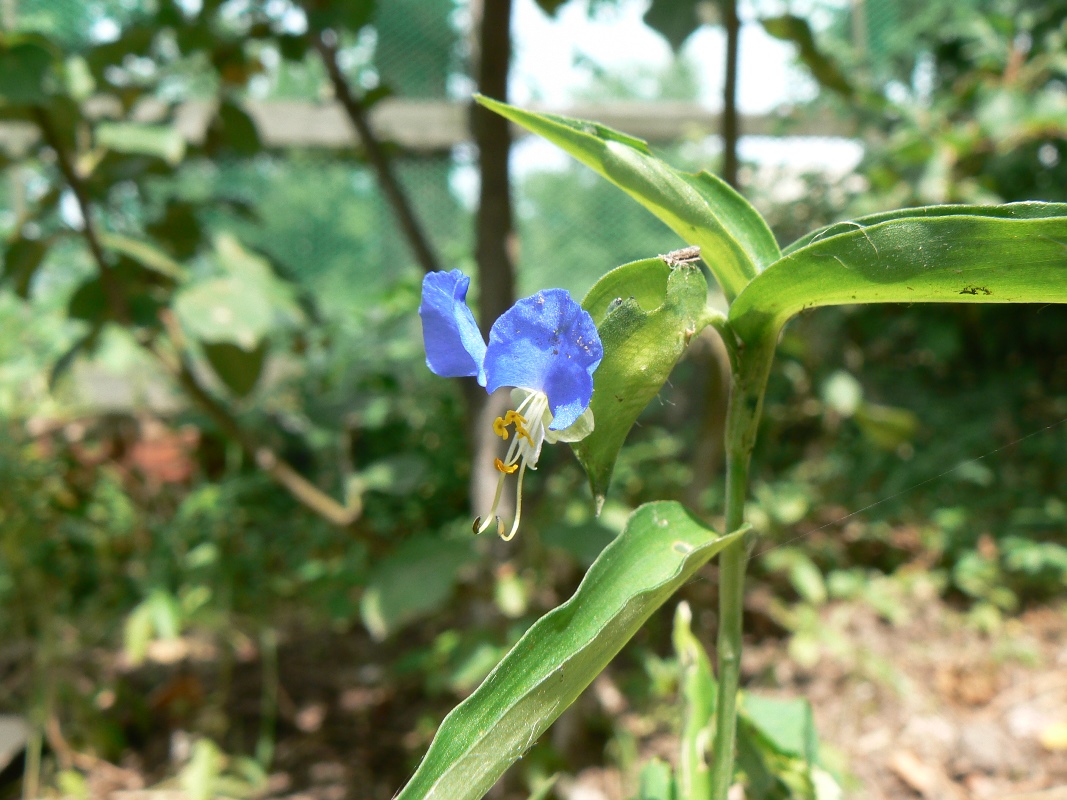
930 706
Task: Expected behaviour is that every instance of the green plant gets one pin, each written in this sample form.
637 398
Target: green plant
646 314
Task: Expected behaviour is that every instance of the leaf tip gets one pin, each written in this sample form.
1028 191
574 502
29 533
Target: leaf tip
598 503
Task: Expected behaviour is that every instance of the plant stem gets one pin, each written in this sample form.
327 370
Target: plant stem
742 422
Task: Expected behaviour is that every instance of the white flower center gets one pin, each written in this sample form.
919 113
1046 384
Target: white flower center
530 421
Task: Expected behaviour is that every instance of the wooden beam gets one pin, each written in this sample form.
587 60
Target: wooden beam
430 126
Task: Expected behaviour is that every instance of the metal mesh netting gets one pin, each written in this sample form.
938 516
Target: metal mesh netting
324 218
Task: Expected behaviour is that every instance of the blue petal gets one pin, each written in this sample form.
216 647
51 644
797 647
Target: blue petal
547 343
454 345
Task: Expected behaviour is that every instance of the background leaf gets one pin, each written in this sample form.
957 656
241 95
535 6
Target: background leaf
734 239
236 367
698 692
21 261
675 19
233 131
656 781
791 28
416 579
141 138
225 310
662 546
787 723
23 67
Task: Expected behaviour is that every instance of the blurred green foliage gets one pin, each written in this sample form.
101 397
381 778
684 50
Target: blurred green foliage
896 439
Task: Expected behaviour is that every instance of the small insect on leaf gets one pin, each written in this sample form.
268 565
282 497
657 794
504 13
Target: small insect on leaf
682 257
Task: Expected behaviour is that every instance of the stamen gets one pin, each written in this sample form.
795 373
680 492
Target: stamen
529 422
500 428
507 469
518 509
480 525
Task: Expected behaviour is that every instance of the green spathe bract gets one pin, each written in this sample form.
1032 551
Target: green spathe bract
646 313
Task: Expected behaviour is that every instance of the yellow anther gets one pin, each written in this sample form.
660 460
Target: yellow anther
505 468
514 417
500 427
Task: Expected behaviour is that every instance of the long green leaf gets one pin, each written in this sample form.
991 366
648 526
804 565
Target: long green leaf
698 692
1003 254
662 546
1025 210
734 239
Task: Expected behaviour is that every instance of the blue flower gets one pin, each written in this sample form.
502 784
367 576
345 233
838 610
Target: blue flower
546 347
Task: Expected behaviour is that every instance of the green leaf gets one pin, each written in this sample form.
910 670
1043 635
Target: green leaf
83 345
1003 254
646 313
802 572
551 6
544 788
293 47
1024 210
675 19
21 261
225 310
24 64
661 548
734 239
236 367
351 15
200 777
141 138
241 307
179 229
795 29
233 130
656 781
142 289
413 582
787 724
762 766
137 634
699 693
145 253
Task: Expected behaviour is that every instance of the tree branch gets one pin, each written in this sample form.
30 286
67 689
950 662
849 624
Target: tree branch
305 492
494 224
730 123
394 192
300 488
116 298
